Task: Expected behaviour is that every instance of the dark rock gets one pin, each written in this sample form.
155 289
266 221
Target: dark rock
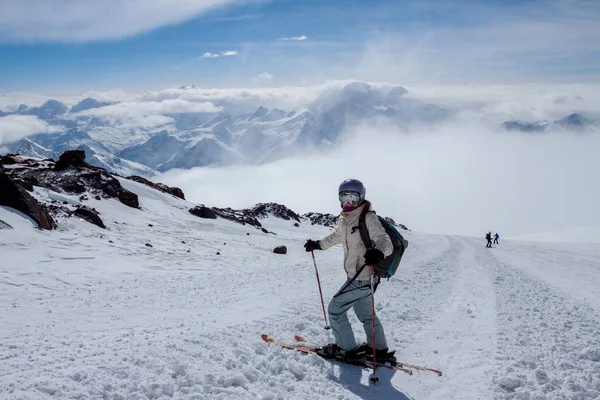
277 210
129 198
182 242
71 159
150 225
264 230
73 186
280 250
96 181
248 233
149 245
110 241
241 216
328 220
297 225
90 216
24 184
261 210
96 197
203 212
218 253
11 159
175 191
14 196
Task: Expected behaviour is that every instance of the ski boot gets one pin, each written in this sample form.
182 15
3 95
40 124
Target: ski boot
331 350
382 355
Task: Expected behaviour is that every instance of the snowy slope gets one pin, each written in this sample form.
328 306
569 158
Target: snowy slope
89 313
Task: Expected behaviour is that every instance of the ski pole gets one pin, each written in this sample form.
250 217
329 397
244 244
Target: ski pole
320 292
374 378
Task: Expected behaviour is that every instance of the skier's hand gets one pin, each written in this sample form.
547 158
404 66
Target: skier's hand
311 245
373 257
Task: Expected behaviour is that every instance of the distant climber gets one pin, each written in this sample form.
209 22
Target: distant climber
496 237
488 237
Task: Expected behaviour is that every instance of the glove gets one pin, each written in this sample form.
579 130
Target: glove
373 257
311 245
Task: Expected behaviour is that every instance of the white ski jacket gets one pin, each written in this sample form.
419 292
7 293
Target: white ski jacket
348 234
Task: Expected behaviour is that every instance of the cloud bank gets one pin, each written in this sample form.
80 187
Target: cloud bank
148 114
16 127
461 178
295 38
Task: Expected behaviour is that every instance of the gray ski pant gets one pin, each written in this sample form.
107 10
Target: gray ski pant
358 296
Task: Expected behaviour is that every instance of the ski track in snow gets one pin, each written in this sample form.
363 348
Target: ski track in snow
84 318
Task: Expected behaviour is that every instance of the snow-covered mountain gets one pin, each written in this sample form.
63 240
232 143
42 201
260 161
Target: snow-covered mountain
141 294
229 136
159 132
572 122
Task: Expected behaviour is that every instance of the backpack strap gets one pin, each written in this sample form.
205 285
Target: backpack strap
362 227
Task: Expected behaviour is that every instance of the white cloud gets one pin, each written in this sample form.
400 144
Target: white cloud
284 96
265 76
228 53
82 20
110 95
16 127
148 114
511 44
174 106
295 38
10 101
466 176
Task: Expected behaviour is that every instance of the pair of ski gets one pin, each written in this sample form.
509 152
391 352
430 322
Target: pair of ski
311 348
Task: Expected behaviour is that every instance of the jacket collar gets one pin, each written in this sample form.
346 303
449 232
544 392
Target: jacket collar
352 216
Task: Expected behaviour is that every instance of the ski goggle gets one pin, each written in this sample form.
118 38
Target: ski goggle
349 197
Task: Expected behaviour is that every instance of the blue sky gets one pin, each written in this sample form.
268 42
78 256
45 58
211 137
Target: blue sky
52 46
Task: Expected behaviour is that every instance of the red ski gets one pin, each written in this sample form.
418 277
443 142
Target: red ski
398 363
313 350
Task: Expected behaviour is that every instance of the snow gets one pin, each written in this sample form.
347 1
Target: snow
89 313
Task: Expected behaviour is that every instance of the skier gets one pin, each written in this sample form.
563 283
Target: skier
496 237
488 237
357 294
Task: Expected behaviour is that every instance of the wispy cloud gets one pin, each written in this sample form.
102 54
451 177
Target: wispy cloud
16 127
83 20
282 97
148 113
265 76
295 38
210 55
522 42
228 53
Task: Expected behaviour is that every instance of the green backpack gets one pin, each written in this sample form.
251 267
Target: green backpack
388 267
